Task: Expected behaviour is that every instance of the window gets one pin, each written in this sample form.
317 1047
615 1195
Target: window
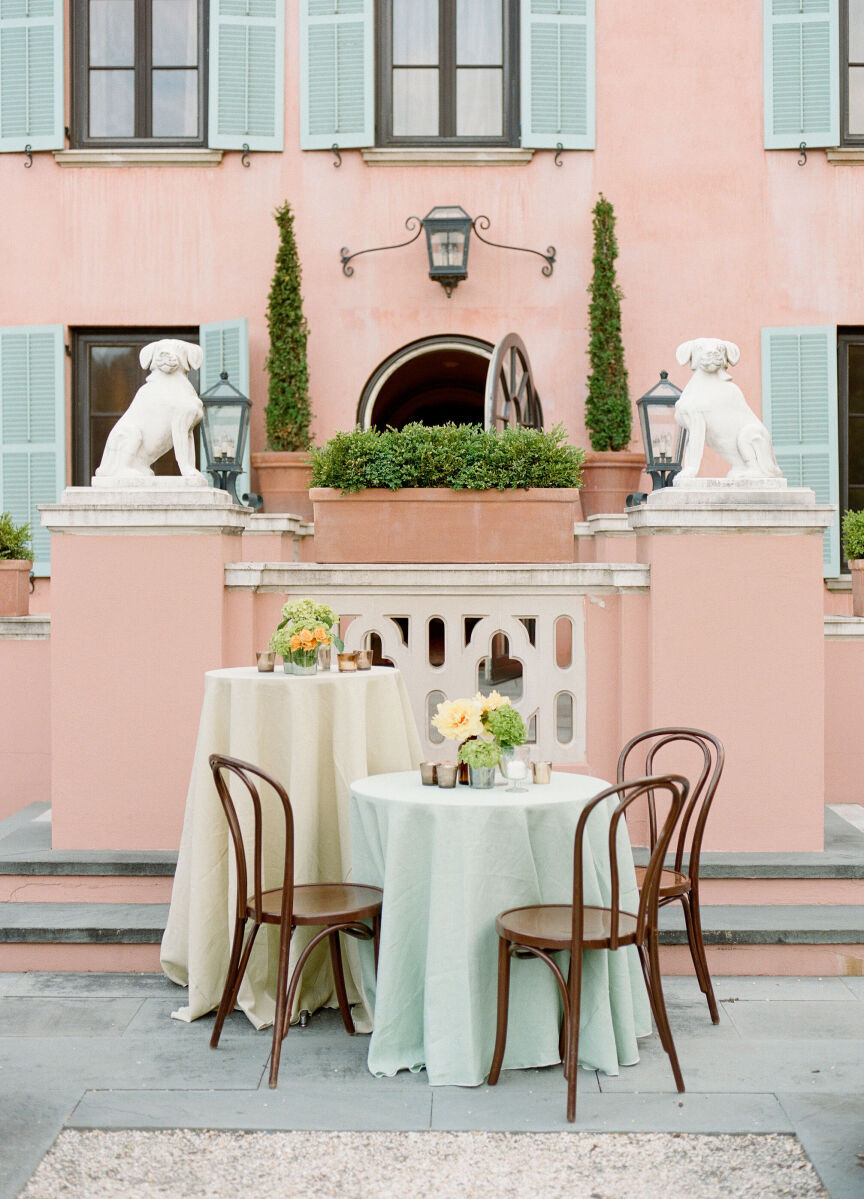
852 72
138 70
851 418
447 72
107 375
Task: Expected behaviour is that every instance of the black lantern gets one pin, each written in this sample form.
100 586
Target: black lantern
224 430
448 228
662 437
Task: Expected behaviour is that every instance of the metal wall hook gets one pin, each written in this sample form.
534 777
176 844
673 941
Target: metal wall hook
483 222
345 257
244 157
559 146
336 151
27 151
803 159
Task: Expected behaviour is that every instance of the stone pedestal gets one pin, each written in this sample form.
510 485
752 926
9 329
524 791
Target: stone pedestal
736 646
137 596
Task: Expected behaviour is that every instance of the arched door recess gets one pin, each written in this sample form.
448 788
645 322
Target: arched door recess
432 380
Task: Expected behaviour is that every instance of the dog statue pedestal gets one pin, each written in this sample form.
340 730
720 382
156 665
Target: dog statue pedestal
138 614
736 589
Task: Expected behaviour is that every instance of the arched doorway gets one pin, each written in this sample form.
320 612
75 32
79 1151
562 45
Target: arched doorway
431 380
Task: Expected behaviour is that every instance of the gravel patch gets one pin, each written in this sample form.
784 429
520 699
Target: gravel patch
422 1165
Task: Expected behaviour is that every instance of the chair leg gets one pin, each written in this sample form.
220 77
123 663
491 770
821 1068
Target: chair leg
279 1020
503 1005
339 981
649 987
236 970
571 1060
697 950
660 1009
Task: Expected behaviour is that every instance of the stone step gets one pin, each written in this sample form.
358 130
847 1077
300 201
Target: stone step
791 939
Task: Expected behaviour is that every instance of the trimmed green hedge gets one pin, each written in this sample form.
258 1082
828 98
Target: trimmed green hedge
15 542
461 457
853 535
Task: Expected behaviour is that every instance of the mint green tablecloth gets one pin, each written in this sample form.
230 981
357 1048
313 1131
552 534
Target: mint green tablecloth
449 861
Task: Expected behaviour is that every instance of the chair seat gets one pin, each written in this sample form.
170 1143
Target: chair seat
672 882
550 926
323 903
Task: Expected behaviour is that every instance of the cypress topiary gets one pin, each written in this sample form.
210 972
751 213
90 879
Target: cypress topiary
607 409
288 412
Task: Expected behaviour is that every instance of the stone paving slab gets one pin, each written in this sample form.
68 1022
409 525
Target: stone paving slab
31 1116
758 987
493 1108
831 1129
856 985
103 986
773 1018
64 1017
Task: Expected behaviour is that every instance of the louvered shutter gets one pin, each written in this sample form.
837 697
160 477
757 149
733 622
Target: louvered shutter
247 74
31 74
799 407
226 348
557 74
801 73
337 73
32 428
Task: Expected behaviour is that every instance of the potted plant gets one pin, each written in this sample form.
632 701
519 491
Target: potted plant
15 565
481 757
446 493
611 471
853 551
283 469
306 628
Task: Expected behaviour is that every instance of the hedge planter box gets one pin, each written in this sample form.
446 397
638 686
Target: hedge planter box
15 587
282 479
435 524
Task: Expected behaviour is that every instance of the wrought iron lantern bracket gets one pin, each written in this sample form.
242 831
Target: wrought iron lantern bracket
345 257
483 222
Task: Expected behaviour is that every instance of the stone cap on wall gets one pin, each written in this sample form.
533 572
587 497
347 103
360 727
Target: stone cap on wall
732 506
163 505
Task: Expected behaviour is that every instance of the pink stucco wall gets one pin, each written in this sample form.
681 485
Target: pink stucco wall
717 235
25 724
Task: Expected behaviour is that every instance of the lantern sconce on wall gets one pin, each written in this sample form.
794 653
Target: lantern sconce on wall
662 437
448 230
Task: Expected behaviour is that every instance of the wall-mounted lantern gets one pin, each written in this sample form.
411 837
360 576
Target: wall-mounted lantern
224 431
662 437
448 230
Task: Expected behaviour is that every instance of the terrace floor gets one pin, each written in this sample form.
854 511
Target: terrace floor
100 1052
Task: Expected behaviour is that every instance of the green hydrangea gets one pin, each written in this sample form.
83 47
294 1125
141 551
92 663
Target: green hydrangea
479 752
506 725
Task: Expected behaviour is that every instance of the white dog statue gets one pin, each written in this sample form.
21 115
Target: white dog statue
163 414
714 412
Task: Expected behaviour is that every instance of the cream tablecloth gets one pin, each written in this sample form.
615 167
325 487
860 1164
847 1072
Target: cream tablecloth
449 861
316 734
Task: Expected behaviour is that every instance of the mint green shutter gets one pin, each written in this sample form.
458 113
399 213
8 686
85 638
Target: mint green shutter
31 74
247 74
799 407
337 73
32 428
557 74
226 348
801 52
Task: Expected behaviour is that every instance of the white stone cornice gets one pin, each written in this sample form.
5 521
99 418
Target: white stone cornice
580 578
164 507
279 522
732 509
140 156
844 628
446 156
25 628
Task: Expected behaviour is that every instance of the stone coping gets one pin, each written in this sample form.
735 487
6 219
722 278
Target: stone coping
165 156
844 628
446 156
718 507
580 578
163 506
25 628
280 522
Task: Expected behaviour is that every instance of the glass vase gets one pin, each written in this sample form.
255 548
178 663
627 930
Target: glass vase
305 661
482 778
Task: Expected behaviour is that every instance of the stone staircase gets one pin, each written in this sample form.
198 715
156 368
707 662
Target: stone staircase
763 913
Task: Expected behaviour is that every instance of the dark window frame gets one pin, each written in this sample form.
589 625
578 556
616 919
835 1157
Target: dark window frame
384 135
846 138
846 336
82 339
80 70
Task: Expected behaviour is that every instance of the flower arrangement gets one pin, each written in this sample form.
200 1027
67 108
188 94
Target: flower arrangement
506 726
305 627
480 752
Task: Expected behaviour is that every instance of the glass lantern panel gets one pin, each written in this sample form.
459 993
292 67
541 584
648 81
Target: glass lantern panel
223 429
447 247
663 431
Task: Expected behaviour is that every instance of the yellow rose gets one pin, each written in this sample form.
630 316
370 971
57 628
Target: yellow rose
458 719
488 703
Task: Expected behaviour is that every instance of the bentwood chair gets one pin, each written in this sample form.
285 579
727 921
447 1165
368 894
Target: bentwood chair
543 929
680 882
334 907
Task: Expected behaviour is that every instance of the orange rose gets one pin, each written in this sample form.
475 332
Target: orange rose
307 638
294 643
321 635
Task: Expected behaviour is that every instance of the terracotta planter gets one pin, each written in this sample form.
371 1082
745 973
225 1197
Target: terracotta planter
856 567
608 478
15 587
435 524
282 479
